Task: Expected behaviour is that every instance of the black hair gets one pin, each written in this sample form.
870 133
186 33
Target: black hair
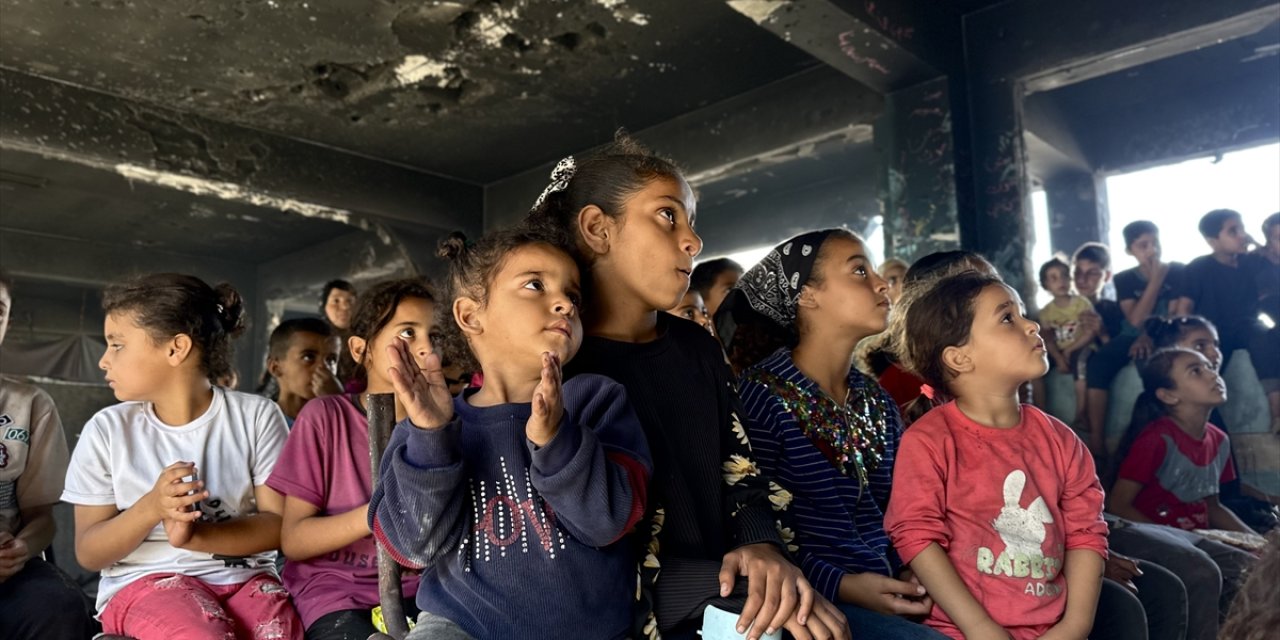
1093 252
1137 229
168 304
6 282
941 261
1168 332
756 338
606 179
377 306
1055 262
1157 373
1211 223
472 268
329 286
705 273
940 319
1271 221
278 345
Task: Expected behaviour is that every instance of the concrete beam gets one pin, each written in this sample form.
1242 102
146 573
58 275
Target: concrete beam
182 151
856 41
775 123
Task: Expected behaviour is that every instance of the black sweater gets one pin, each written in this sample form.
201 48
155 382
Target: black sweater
705 480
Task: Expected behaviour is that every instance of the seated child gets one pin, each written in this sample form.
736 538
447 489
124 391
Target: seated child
996 506
302 357
1172 459
1091 271
33 464
1223 287
326 481
169 486
692 308
1070 340
513 498
713 279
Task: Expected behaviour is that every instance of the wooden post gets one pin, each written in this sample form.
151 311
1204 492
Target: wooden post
382 418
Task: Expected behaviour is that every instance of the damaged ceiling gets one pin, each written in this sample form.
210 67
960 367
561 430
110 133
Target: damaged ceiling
469 89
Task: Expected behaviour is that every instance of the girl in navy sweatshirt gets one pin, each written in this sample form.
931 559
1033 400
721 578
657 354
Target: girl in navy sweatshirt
513 497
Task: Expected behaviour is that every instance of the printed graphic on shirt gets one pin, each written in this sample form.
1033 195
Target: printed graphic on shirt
1065 334
1022 530
5 420
1186 480
505 513
4 456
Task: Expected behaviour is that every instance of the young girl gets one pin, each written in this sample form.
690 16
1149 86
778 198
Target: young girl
824 431
513 497
168 485
1173 459
324 475
995 505
627 217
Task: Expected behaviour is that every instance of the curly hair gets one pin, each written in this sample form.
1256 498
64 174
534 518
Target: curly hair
170 304
375 309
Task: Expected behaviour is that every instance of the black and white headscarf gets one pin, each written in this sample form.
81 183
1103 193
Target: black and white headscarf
772 287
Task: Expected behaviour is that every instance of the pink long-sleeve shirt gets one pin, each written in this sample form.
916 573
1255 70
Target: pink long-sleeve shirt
1005 504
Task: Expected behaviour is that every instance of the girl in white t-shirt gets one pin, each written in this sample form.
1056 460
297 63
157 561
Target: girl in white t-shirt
169 485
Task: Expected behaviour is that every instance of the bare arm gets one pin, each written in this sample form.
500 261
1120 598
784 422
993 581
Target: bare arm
304 534
1184 306
37 529
1221 517
1137 311
242 535
1120 500
105 534
936 573
1083 571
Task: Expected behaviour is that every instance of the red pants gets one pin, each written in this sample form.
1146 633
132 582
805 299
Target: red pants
170 606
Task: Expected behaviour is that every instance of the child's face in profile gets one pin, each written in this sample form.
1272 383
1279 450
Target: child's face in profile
307 354
852 296
1146 248
135 366
1195 381
1003 342
532 308
1204 341
1089 277
692 308
652 245
1057 281
1232 239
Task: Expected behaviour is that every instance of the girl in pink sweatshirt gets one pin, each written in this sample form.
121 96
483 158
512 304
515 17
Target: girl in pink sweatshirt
996 506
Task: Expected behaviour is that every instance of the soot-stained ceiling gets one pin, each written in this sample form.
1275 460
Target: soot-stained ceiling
470 89
54 199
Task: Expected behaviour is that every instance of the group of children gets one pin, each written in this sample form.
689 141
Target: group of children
613 474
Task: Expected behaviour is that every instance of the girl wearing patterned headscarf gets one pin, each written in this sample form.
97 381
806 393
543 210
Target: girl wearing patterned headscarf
826 433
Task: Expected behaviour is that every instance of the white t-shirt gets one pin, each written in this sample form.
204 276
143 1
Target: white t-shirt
124 448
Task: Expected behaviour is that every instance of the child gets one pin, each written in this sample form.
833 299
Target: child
995 505
626 216
1223 287
324 474
514 497
692 308
33 463
337 304
1091 272
1149 289
168 485
302 357
713 280
1173 459
1070 341
894 271
824 431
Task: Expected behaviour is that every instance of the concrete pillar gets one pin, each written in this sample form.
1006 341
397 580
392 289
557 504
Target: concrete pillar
1077 210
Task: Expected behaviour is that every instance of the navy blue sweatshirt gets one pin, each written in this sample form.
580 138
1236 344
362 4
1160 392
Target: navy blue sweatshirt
517 540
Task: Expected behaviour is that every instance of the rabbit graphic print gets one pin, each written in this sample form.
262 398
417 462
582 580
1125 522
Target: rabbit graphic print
1023 531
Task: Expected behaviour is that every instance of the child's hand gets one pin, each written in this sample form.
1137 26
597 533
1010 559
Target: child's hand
776 589
422 390
324 382
173 499
178 532
13 555
883 594
1141 347
1122 569
826 622
1061 364
548 404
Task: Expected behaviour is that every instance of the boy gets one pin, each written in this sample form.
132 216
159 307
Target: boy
1223 287
713 279
1091 271
1072 339
302 357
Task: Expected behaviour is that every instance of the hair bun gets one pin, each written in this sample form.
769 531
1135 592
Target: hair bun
230 309
453 247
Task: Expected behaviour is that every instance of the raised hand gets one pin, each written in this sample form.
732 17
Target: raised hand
324 382
422 391
548 404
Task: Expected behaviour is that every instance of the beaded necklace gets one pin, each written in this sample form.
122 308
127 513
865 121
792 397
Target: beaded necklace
852 435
